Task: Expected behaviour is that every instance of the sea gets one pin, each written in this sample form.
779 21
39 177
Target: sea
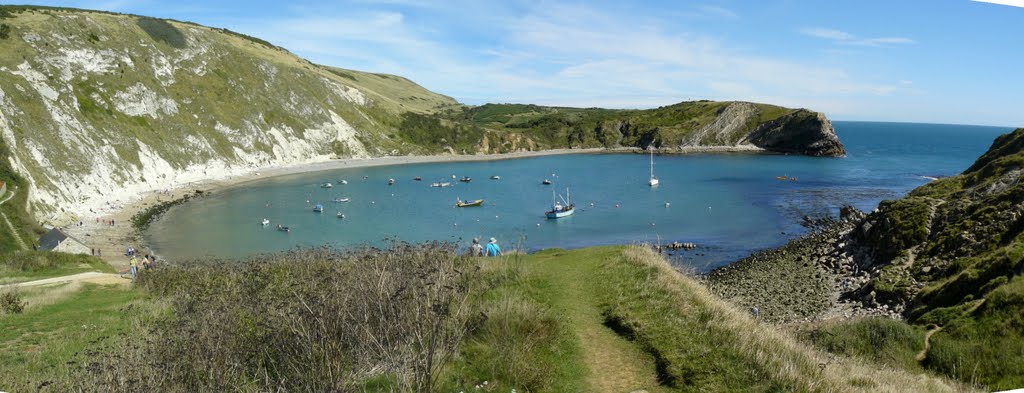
729 205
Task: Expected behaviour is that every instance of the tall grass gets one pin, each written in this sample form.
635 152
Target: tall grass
309 320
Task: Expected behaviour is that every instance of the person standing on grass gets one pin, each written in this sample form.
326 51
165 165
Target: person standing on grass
133 265
493 250
476 249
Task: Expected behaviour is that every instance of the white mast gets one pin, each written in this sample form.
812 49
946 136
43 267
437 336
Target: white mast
653 180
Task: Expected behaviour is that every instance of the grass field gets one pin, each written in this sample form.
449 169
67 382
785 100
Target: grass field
37 345
24 266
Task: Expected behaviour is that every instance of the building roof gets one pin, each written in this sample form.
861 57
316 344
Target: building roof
52 239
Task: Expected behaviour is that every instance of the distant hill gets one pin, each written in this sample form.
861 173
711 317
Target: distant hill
98 107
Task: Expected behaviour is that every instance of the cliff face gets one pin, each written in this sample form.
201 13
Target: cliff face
97 108
800 132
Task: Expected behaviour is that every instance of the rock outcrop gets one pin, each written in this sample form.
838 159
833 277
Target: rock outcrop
801 132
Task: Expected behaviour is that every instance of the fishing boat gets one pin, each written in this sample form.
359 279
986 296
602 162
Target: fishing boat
318 208
462 203
326 185
417 178
339 200
265 222
283 228
495 177
559 210
441 184
653 181
546 181
391 182
466 179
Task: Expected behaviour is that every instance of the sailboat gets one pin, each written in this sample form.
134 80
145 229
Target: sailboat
653 181
559 210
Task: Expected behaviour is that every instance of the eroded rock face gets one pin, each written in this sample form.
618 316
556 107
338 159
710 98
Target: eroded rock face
801 132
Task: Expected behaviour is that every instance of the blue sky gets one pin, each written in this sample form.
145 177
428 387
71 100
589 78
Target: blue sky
940 61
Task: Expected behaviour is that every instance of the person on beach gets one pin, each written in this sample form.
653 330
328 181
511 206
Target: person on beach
133 265
476 249
493 250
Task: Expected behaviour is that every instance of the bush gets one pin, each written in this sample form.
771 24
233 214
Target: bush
5 31
307 320
11 303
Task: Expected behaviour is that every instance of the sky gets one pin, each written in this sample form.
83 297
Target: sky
934 61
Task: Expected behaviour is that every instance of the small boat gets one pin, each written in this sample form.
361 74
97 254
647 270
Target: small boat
653 180
558 210
495 177
265 222
466 179
318 208
546 181
326 185
343 181
781 177
340 215
462 203
283 228
339 200
417 178
441 184
391 182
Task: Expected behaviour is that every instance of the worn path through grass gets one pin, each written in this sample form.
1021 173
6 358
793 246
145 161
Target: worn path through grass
615 364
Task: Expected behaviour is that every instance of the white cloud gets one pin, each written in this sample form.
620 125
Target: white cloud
842 37
1012 3
830 34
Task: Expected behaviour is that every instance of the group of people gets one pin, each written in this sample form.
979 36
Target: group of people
148 262
490 250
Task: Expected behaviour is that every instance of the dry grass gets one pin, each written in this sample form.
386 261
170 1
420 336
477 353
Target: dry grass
783 358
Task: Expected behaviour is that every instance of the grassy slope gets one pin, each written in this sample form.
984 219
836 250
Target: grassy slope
606 319
966 231
33 265
37 344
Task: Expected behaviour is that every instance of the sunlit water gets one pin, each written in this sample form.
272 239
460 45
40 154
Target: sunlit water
729 204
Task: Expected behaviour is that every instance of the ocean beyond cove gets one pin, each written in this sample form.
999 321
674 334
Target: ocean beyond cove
728 204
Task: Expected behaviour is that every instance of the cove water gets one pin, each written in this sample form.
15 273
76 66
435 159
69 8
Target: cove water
729 204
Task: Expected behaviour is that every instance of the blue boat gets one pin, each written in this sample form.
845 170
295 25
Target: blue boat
318 208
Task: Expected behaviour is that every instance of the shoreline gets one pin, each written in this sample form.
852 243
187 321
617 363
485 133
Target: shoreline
111 240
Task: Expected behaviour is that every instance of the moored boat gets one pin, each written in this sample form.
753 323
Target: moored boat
495 177
559 210
653 181
466 179
462 203
417 178
339 200
265 222
391 182
283 228
326 185
318 208
441 184
546 181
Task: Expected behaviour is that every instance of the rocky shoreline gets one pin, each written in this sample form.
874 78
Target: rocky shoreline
821 275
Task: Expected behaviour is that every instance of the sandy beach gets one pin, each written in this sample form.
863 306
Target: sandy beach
112 240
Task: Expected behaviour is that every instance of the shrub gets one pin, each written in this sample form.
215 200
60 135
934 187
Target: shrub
11 303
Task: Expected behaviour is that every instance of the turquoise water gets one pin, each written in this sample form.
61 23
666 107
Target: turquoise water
729 204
